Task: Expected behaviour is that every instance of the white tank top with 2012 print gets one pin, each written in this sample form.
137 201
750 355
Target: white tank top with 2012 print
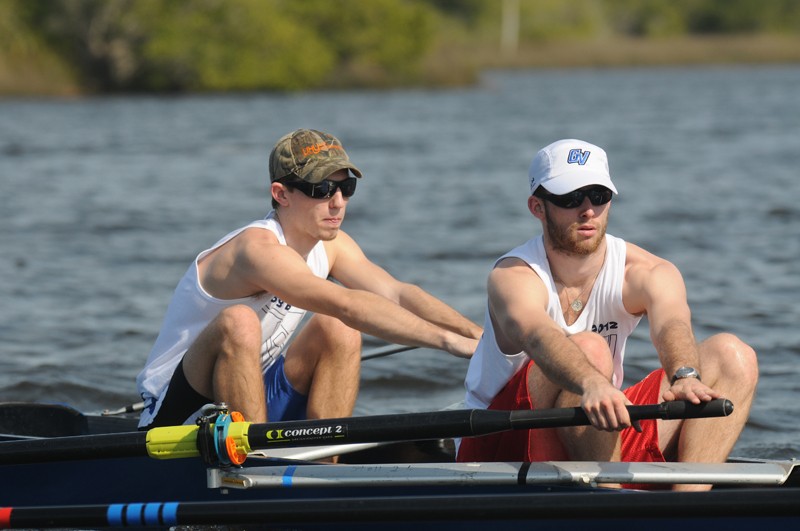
490 369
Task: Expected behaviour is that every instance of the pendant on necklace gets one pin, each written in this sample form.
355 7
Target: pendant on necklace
576 305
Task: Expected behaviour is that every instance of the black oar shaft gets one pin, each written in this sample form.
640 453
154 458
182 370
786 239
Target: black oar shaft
78 447
447 424
377 428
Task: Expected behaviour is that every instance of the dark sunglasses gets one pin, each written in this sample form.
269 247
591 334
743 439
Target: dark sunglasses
598 195
324 189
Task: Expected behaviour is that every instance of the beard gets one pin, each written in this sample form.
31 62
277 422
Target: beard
564 239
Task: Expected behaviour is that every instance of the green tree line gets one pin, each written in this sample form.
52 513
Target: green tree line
219 45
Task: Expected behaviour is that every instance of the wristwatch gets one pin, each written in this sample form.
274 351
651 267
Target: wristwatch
684 372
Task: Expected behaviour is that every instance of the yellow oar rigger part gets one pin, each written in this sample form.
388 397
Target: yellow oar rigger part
173 442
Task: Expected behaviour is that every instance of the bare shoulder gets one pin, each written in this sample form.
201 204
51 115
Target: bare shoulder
518 300
647 276
510 266
342 241
232 270
513 277
251 243
257 234
263 263
640 262
638 256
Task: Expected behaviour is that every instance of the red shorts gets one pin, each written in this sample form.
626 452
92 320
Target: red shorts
544 444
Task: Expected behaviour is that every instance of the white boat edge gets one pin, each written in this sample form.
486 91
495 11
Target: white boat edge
580 473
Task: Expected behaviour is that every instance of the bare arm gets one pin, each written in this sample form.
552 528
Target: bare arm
517 304
354 270
255 262
655 286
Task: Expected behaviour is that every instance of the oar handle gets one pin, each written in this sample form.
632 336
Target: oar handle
575 416
680 409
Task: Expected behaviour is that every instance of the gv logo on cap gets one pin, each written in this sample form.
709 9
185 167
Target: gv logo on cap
578 156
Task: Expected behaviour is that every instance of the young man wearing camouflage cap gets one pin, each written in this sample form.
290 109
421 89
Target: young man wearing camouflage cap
224 335
560 309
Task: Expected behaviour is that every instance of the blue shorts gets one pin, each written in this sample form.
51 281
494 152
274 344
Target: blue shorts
283 401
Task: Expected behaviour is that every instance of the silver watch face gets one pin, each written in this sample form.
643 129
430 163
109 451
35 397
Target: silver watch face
686 372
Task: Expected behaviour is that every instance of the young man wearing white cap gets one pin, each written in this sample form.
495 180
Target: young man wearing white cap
560 309
225 335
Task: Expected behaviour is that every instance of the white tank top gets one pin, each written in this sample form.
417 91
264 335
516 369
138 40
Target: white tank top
490 369
192 308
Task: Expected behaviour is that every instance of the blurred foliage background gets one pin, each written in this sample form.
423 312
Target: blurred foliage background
102 46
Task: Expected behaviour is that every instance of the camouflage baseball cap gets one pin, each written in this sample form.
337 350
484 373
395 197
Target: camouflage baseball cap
310 155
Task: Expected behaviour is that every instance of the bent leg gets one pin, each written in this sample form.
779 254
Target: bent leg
514 445
324 362
730 367
225 362
584 443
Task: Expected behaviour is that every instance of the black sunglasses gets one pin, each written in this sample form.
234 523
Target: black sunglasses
598 195
324 189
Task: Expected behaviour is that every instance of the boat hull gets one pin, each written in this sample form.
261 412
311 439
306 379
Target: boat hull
140 486
279 493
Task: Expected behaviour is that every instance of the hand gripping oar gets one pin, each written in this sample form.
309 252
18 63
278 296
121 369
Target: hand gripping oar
227 440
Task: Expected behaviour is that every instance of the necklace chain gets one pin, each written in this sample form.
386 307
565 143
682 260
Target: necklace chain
577 304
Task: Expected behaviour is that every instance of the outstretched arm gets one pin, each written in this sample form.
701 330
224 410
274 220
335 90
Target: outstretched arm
354 270
255 262
655 286
425 305
517 304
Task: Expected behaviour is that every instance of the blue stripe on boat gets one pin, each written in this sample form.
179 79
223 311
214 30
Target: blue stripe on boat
287 476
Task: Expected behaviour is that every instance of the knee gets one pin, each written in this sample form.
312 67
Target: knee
731 358
595 347
337 335
239 329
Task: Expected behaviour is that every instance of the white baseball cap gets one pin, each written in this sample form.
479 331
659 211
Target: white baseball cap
566 165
